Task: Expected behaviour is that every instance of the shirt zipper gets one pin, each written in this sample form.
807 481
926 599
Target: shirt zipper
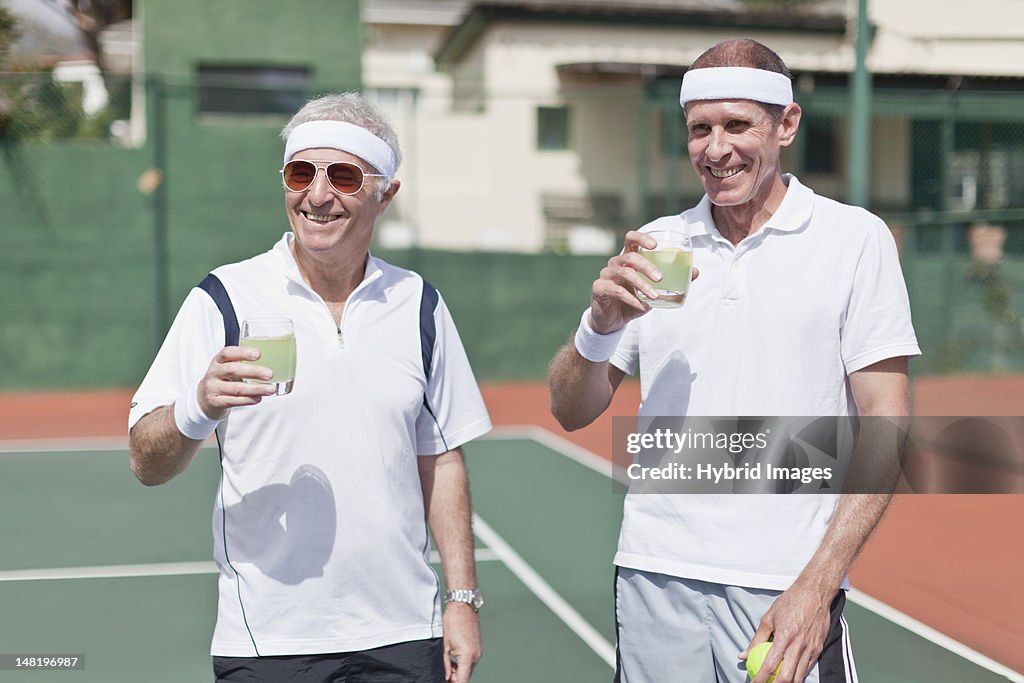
337 328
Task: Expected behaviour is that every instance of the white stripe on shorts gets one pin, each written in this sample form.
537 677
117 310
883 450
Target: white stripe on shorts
851 669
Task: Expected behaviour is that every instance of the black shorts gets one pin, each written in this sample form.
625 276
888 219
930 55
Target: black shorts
419 661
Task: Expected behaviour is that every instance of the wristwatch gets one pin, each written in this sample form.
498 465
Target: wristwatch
471 597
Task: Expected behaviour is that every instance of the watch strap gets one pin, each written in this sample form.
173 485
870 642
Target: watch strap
469 596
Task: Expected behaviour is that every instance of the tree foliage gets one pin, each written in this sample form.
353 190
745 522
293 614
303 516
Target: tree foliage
8 33
33 106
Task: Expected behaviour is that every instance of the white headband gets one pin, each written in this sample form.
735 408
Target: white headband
345 137
735 83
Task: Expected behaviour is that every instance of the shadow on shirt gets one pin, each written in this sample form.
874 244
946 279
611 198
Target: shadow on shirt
286 530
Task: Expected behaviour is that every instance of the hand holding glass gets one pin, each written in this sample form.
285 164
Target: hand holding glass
673 256
275 340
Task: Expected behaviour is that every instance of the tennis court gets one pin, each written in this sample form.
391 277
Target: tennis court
96 565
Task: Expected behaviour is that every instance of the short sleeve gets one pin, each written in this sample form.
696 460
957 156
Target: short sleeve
453 410
195 337
877 324
626 356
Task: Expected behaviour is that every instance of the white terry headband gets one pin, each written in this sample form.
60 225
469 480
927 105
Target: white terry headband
346 137
735 83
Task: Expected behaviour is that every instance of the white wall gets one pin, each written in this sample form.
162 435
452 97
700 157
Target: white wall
984 37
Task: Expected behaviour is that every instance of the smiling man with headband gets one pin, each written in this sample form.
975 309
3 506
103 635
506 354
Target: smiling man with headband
321 519
799 309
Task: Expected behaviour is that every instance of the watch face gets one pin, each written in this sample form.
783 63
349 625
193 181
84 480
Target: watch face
478 600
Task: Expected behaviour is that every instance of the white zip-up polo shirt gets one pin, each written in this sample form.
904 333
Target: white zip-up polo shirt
772 327
319 524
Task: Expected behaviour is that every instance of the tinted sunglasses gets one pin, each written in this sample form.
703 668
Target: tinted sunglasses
344 177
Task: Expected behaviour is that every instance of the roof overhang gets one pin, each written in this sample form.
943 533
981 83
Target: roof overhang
461 38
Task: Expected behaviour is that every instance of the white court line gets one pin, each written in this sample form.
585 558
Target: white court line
603 466
928 633
539 587
114 571
84 444
121 571
559 444
74 445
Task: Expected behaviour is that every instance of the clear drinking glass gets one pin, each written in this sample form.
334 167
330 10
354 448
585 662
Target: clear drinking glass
275 339
673 256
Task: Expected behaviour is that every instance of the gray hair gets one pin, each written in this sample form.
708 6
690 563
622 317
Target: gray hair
350 107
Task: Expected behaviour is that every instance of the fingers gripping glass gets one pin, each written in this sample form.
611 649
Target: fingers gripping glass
673 256
344 177
275 340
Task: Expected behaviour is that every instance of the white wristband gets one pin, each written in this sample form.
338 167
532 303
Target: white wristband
595 347
190 418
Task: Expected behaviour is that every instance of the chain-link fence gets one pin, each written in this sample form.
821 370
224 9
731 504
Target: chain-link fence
965 273
39 107
75 238
104 232
961 224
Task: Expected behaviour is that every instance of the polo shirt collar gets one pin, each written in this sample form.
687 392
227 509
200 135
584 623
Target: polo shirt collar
283 249
795 210
793 213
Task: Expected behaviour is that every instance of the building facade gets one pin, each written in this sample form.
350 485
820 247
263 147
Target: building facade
538 124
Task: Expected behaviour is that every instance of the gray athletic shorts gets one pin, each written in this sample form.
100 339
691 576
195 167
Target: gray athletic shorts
671 629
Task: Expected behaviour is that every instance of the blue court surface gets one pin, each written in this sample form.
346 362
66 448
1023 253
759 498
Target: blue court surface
96 565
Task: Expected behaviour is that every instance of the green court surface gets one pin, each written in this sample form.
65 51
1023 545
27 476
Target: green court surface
95 564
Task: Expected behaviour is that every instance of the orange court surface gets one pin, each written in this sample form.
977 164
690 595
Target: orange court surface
951 562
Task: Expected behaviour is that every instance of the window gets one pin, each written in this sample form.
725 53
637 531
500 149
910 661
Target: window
552 128
251 89
393 99
673 133
396 103
820 146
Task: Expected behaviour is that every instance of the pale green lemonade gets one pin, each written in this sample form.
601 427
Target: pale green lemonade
675 265
276 353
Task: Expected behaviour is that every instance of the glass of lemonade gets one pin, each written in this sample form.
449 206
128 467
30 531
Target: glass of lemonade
674 258
275 339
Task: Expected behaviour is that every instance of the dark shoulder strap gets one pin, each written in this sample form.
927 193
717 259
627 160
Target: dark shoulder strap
428 334
212 285
428 329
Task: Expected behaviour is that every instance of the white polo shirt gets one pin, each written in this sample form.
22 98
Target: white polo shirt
773 326
319 526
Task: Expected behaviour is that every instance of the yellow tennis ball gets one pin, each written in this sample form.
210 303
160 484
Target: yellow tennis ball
756 658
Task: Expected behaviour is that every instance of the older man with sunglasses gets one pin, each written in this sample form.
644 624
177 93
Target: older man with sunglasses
799 309
320 522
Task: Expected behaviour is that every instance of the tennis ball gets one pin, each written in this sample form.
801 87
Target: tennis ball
756 658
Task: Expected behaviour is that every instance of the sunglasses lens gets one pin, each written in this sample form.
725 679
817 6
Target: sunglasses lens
346 178
298 175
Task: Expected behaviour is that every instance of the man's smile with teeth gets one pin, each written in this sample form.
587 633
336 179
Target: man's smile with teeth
728 172
320 217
